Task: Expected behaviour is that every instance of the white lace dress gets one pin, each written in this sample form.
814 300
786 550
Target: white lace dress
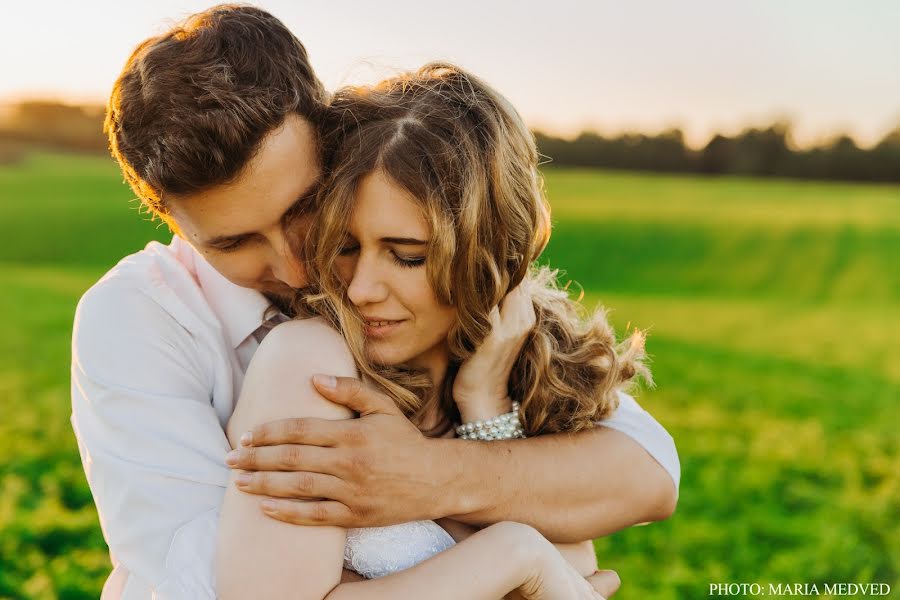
378 551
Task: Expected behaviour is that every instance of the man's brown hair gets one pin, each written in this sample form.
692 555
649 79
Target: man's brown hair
191 106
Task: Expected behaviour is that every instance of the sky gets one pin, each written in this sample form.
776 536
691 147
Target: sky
610 66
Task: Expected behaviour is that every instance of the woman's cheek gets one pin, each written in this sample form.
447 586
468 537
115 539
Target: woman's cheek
422 298
344 266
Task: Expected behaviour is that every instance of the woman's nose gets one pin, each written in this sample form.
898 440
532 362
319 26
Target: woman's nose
366 287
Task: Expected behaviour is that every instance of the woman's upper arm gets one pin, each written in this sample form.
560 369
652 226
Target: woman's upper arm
260 557
280 375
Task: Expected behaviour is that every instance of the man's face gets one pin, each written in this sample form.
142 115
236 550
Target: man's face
240 227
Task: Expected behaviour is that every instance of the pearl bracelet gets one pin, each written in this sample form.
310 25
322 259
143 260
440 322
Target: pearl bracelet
504 427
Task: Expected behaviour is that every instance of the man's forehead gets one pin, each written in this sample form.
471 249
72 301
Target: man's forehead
277 183
249 214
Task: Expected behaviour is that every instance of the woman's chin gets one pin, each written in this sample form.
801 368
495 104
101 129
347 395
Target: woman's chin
384 358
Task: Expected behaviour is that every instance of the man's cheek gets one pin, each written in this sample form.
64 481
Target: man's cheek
240 270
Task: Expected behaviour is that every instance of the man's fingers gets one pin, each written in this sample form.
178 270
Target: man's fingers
287 457
298 512
606 583
351 393
308 430
299 485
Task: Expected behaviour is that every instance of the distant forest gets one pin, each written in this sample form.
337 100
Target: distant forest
761 152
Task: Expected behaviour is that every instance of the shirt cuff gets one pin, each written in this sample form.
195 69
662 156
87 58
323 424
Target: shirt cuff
639 425
191 561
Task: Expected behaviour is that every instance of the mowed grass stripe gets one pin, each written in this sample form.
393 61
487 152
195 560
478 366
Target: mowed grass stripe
829 335
840 264
679 199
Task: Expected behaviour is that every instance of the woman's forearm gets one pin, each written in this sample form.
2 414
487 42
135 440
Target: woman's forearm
570 487
487 565
580 555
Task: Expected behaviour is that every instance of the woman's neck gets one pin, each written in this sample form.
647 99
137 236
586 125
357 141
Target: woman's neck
435 362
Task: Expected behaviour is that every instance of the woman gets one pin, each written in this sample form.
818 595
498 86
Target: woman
432 213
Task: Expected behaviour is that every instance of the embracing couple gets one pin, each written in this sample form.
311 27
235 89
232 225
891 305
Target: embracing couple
345 377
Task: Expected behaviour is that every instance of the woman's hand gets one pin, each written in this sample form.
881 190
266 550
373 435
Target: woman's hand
552 577
481 386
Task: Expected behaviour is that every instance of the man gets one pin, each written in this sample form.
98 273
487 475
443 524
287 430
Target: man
213 124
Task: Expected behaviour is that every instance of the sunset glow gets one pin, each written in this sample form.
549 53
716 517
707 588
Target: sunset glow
703 66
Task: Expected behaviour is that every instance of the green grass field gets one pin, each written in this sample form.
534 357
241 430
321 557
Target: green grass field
772 306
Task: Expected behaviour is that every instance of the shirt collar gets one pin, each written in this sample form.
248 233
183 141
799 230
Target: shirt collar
240 310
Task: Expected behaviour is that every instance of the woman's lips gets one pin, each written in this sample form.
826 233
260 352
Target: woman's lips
377 329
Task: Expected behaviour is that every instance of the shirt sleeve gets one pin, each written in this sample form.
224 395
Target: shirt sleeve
635 422
150 442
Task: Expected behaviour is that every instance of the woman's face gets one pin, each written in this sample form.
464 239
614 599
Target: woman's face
383 260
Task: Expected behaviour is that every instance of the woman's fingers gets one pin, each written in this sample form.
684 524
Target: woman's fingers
495 318
302 485
605 583
517 312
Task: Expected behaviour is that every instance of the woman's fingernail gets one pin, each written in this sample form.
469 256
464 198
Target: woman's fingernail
269 506
612 574
247 439
327 382
243 478
231 458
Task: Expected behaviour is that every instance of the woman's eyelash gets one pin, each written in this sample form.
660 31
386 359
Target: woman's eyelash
409 263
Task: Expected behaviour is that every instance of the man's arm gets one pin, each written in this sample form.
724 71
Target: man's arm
606 479
150 441
570 487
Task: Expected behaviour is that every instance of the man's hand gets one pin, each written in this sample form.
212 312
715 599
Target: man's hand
481 385
372 471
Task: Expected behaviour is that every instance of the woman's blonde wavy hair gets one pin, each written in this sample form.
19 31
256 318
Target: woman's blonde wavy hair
463 152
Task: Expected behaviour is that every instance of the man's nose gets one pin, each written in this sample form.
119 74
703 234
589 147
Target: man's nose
288 268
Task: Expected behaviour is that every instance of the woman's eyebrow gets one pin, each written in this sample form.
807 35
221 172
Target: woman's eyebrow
404 241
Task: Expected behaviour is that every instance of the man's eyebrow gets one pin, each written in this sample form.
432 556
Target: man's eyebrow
296 209
404 241
302 204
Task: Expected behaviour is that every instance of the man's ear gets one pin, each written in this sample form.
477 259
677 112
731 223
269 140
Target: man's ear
173 226
166 217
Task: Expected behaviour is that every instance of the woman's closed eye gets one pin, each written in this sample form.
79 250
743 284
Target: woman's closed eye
348 250
408 261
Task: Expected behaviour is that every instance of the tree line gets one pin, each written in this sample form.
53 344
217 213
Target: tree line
762 152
